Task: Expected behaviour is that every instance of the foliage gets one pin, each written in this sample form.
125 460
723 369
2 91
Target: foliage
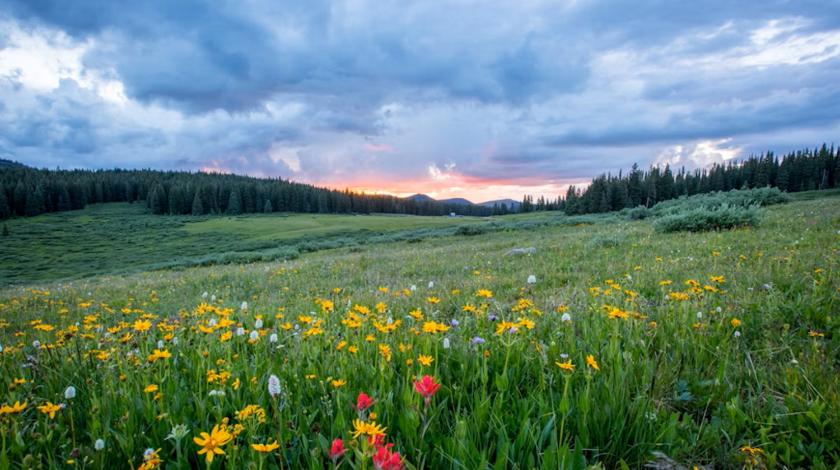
716 349
709 218
734 198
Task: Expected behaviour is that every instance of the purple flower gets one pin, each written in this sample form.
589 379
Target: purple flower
454 322
477 340
492 317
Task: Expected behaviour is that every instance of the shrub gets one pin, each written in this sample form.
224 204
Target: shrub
704 219
604 241
736 198
470 230
638 213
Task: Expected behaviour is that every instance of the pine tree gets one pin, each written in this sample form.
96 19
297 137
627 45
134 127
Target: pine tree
234 206
197 207
267 209
5 230
5 210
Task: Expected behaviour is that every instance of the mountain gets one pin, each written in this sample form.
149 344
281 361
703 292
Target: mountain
10 164
511 204
420 198
456 200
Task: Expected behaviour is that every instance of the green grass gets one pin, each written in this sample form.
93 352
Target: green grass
688 387
119 238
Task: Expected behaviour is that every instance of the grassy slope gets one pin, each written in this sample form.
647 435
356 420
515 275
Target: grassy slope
695 394
115 238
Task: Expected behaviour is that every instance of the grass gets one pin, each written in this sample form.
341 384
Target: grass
715 349
119 238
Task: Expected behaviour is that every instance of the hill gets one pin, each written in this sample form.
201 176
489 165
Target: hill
512 204
4 164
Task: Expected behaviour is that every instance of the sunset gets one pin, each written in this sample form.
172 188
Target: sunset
420 235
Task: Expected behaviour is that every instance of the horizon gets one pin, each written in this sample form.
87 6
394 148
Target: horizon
444 100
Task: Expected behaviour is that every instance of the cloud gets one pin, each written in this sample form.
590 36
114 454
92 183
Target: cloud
457 96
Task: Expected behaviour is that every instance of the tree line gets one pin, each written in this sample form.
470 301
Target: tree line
28 191
802 170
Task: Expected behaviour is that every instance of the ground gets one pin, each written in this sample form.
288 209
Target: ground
716 349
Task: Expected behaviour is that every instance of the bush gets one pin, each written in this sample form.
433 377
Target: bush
734 198
470 230
602 241
638 213
705 219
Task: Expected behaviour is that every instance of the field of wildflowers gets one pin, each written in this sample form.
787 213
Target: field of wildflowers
710 350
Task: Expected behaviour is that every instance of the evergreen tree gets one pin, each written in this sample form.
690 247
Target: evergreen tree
267 208
5 210
197 206
234 205
5 230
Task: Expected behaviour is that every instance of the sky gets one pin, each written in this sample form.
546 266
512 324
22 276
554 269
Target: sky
482 100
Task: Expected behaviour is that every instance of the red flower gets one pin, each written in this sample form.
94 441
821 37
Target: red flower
384 459
363 402
426 387
337 449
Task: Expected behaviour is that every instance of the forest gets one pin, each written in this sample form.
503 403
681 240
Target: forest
26 191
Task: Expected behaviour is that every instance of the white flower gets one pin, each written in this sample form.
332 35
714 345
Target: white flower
699 315
240 331
212 322
566 317
99 444
273 385
1 348
431 284
737 334
216 393
204 295
272 338
36 344
148 453
258 324
175 341
532 279
213 298
160 344
412 288
70 393
255 335
244 306
718 310
445 343
564 356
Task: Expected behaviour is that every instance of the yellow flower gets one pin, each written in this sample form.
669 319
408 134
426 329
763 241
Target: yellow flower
12 409
159 354
434 327
433 300
487 294
416 314
735 323
815 334
425 360
211 443
142 325
49 408
353 349
371 429
265 448
338 383
591 362
151 388
567 366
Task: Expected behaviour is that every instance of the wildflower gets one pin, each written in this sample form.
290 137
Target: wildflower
484 293
815 334
566 317
735 323
425 360
532 279
426 387
151 459
363 401
240 331
273 386
258 323
477 340
150 388
591 362
433 300
272 338
371 429
338 383
49 409
99 444
385 352
159 354
12 409
434 327
566 365
142 325
454 323
445 343
178 432
266 448
70 393
384 459
337 449
254 336
737 334
211 443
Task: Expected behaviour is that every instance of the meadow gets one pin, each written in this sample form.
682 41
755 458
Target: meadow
612 346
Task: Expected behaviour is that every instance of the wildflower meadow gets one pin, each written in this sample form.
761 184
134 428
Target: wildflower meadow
679 350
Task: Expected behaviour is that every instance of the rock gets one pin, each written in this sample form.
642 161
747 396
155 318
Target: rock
522 251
